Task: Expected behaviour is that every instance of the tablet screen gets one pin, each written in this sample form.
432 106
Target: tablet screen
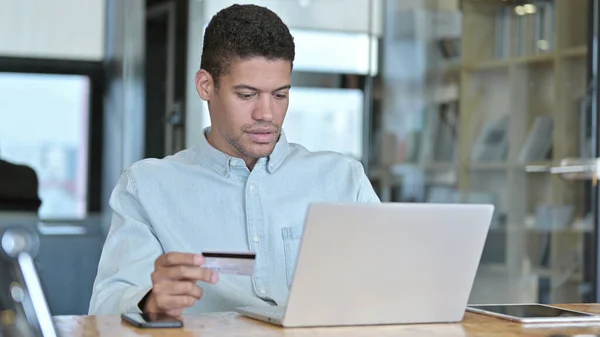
529 311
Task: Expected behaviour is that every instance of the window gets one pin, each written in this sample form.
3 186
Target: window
326 119
335 52
45 123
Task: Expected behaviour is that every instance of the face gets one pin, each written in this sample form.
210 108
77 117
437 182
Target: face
248 108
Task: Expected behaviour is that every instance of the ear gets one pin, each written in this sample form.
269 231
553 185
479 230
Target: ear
204 84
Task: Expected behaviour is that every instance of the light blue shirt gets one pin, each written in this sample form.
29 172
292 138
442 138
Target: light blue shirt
202 199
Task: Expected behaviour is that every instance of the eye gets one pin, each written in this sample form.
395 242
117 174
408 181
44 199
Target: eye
245 96
281 96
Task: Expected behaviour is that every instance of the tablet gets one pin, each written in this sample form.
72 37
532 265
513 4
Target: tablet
533 313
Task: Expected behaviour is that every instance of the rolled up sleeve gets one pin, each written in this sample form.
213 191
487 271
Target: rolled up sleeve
128 255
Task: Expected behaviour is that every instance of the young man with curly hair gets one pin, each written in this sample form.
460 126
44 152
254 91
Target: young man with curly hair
242 188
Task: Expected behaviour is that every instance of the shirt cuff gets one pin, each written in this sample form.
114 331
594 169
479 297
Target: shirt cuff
131 300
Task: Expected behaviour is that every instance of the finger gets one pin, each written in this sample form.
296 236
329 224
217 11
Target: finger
175 313
174 303
189 273
170 288
184 273
176 259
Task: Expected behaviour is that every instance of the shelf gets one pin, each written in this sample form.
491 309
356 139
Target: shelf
547 272
580 51
576 226
573 52
452 70
560 230
537 167
488 166
541 58
505 166
489 65
400 169
500 63
537 230
536 163
440 166
498 268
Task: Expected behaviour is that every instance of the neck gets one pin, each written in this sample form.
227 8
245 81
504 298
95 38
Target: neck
250 163
222 145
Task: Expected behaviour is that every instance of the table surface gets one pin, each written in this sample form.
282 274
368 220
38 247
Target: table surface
231 324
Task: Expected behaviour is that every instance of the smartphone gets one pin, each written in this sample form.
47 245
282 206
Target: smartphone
149 320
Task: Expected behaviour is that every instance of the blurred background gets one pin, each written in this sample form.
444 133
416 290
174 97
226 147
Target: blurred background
443 101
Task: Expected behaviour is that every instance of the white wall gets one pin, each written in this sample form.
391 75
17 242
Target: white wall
65 29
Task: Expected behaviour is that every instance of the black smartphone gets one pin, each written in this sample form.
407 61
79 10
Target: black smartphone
148 320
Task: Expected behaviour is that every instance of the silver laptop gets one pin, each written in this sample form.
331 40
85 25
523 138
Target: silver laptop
390 263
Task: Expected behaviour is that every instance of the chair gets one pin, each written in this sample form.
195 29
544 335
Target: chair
18 188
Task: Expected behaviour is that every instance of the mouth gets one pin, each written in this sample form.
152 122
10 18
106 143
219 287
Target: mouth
262 136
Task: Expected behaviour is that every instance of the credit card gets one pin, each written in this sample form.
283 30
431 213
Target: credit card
236 263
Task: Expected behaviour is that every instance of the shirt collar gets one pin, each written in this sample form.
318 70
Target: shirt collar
222 162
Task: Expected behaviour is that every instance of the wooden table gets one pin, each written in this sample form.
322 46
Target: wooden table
231 325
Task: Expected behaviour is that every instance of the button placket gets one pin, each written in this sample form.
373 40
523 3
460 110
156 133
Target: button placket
255 233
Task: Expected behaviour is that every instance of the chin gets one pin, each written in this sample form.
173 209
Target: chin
260 150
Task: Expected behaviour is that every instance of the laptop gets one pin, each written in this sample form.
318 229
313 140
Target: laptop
388 263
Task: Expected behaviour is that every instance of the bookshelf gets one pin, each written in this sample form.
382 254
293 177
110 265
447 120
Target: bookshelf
505 73
521 78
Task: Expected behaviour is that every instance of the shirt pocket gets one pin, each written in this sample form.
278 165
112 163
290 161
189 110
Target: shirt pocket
291 245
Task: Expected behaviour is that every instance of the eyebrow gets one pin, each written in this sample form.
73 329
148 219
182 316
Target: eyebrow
248 87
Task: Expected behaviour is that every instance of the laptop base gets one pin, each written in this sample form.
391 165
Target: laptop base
272 315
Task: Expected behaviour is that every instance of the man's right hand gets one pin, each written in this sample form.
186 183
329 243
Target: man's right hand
174 285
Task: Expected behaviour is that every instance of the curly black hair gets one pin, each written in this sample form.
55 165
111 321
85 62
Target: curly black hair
241 32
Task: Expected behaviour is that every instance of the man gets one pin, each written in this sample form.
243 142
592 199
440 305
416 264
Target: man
244 187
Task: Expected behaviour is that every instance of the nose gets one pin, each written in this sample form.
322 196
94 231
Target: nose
263 110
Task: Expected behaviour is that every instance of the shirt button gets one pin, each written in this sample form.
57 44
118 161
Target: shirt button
233 163
252 187
261 291
256 239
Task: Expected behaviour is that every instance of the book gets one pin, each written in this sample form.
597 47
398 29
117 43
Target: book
538 143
